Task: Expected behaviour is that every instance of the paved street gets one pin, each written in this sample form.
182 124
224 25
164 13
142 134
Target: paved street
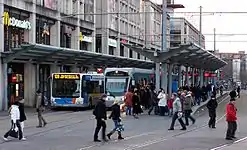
73 131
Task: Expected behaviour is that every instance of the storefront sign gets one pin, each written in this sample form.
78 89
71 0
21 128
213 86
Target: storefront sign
112 42
84 38
66 76
11 21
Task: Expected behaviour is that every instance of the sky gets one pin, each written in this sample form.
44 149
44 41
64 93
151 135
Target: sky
233 24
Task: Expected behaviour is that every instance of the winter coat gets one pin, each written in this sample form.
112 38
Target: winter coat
100 110
212 105
231 112
177 106
115 112
22 112
128 99
187 103
14 113
162 99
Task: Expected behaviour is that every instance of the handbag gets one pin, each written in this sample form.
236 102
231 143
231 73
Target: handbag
120 127
14 132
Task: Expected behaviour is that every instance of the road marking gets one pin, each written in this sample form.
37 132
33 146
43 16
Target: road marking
151 142
226 145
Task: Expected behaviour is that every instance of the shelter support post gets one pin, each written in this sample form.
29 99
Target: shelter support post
201 77
180 84
193 76
164 77
170 80
3 86
187 76
157 76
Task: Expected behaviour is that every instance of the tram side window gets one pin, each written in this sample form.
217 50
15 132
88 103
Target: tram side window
92 87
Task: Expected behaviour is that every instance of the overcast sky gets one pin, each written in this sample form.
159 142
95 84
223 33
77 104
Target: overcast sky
224 23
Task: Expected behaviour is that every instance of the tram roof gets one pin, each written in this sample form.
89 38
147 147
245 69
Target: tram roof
130 70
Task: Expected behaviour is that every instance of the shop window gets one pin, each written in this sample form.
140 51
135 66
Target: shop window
138 56
83 46
98 44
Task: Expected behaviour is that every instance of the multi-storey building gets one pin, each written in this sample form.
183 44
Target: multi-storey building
40 37
182 32
138 22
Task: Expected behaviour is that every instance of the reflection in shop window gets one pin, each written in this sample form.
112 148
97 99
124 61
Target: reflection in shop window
43 30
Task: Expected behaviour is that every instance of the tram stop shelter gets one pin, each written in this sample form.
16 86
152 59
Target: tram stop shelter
46 54
188 55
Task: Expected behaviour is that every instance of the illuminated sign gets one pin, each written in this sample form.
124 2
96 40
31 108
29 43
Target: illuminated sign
11 21
66 76
84 38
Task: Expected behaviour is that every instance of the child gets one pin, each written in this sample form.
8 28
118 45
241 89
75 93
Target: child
231 118
115 116
169 104
15 121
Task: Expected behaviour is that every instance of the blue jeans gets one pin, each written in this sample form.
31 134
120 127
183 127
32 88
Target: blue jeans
128 110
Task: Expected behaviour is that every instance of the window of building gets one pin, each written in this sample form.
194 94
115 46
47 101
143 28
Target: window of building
121 50
88 10
65 36
138 56
111 50
85 39
98 44
43 30
130 53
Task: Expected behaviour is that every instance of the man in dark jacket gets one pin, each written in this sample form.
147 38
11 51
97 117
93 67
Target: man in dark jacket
100 116
115 116
212 105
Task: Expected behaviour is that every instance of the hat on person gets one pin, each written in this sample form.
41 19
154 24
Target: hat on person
115 102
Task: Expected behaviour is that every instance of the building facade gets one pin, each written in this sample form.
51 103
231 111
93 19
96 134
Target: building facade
182 32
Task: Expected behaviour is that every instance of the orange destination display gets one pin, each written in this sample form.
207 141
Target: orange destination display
66 76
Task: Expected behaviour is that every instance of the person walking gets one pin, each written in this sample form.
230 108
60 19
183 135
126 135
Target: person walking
15 121
116 118
212 106
162 102
100 116
40 110
238 91
22 115
231 118
177 113
188 109
128 102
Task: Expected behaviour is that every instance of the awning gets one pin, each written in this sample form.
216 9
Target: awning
46 54
187 55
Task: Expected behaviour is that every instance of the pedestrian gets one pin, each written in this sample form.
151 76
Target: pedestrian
154 102
136 105
169 104
177 113
15 121
238 91
212 106
100 116
116 118
22 115
162 102
40 110
231 118
188 109
128 102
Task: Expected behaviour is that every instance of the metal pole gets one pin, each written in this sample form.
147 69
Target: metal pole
200 26
200 36
214 40
164 45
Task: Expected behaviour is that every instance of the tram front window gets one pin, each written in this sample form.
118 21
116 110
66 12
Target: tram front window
116 86
66 88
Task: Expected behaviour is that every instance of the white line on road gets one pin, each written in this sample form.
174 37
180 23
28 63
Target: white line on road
226 145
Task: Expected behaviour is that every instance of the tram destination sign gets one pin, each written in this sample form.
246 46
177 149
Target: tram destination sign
66 76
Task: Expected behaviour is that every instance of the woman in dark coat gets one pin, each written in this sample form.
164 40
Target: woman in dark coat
22 114
136 105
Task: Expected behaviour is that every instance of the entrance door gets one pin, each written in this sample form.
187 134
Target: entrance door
44 83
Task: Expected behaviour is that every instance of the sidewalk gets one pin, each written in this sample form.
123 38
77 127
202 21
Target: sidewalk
203 104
